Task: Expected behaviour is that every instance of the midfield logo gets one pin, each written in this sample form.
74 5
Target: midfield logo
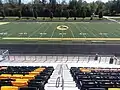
62 27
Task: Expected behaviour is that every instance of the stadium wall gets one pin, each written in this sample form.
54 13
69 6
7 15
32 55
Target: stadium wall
62 48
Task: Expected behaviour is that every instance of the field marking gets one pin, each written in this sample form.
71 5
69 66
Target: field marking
105 34
88 30
92 28
53 32
117 31
46 29
114 34
62 34
79 30
94 32
71 32
73 39
36 30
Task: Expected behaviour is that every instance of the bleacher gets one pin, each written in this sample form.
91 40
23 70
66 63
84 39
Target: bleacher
59 72
24 78
49 78
92 78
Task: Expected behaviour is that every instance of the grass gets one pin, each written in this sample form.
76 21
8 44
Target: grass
44 32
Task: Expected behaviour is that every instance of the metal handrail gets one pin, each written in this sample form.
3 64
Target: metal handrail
62 83
60 72
57 82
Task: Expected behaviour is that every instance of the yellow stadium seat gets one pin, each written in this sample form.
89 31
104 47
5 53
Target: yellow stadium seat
39 69
5 76
16 76
85 70
34 73
9 88
20 82
29 77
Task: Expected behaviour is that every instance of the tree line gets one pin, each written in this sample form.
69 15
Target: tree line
53 8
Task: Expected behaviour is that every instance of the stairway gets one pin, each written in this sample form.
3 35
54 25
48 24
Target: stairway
69 84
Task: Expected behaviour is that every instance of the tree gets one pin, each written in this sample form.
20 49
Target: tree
67 14
3 14
75 12
100 14
93 7
51 15
73 4
60 11
19 2
35 15
0 2
19 14
43 2
83 12
53 4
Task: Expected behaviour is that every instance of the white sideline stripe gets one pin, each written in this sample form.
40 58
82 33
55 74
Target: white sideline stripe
92 39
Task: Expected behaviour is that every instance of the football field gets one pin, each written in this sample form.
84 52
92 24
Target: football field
59 31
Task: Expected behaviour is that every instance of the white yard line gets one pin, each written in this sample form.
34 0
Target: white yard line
79 30
72 33
53 32
36 30
46 29
89 31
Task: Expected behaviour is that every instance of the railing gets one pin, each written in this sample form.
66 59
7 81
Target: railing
60 77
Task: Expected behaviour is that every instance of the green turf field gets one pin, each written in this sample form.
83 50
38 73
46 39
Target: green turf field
57 31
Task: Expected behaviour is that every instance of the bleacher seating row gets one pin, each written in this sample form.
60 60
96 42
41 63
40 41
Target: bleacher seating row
87 78
24 78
